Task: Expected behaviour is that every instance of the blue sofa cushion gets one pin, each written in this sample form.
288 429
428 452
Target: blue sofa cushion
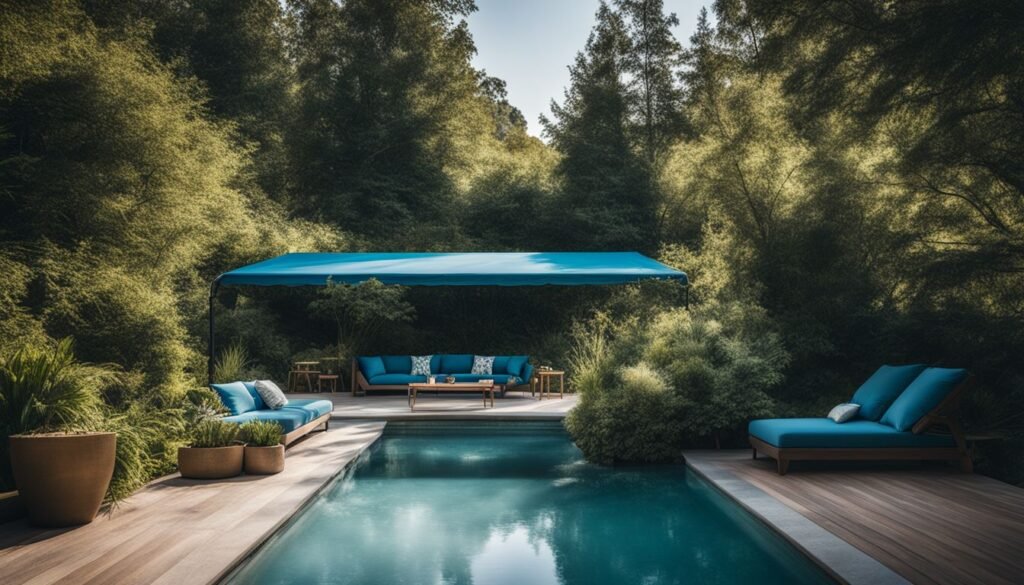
251 387
498 378
515 365
500 365
397 364
395 379
882 388
372 366
923 394
235 396
292 416
457 363
823 433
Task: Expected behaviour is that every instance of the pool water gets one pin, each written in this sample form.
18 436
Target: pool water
504 504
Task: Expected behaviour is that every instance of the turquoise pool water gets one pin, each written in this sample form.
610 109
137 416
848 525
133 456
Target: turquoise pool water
516 504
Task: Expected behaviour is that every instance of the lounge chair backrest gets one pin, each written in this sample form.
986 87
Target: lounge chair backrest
925 393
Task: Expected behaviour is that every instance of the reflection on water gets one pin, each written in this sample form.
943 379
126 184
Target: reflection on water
462 506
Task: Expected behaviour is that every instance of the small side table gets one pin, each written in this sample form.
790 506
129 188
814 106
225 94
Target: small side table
544 378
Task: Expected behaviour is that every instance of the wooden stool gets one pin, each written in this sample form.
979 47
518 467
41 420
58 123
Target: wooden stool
331 379
303 370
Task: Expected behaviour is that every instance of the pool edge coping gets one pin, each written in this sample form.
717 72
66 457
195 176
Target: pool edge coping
839 559
229 570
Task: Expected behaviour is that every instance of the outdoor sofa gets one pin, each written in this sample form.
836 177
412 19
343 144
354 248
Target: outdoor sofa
901 407
393 372
297 418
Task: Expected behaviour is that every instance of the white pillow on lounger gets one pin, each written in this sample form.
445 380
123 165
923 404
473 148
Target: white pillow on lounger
271 394
844 412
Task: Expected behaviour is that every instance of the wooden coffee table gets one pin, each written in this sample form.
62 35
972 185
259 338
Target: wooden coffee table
456 387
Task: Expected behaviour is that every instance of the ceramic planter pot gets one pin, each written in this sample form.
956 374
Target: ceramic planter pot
62 478
210 462
264 460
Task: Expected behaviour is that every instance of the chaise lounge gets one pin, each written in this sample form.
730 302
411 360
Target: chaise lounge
900 408
394 372
297 418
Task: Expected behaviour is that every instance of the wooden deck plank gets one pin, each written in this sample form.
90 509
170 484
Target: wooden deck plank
181 531
929 523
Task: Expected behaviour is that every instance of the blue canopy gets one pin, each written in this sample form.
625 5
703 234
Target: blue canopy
454 269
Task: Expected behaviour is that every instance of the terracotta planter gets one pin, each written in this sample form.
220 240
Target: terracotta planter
62 478
210 462
264 460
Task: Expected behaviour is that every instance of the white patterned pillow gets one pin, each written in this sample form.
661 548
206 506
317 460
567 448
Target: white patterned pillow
271 394
844 412
483 364
421 365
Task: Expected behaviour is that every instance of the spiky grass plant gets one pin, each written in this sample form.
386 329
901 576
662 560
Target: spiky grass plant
232 363
260 433
214 433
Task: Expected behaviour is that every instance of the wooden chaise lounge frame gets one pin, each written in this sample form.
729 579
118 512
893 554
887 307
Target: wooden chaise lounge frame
943 415
289 438
359 382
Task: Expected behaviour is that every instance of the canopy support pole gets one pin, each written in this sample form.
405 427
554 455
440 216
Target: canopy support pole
212 348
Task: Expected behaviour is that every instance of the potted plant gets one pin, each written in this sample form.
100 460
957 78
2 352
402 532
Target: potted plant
52 448
213 453
264 453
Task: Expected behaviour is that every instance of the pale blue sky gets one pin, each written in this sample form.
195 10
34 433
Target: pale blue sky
530 44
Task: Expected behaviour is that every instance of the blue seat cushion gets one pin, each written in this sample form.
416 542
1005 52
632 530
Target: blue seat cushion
235 397
515 365
397 364
372 365
460 363
251 387
923 395
823 433
498 378
395 379
880 390
291 416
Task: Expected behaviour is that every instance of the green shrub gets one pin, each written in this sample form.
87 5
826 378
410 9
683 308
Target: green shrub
214 433
649 387
259 433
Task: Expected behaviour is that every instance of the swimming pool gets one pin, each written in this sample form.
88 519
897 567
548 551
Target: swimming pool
516 504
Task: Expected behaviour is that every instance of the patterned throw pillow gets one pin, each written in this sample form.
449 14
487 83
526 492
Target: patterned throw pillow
483 364
844 412
272 396
421 365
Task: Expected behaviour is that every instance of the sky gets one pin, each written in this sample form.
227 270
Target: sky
531 43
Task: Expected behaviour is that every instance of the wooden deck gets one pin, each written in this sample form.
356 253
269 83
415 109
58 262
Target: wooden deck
930 524
177 531
513 406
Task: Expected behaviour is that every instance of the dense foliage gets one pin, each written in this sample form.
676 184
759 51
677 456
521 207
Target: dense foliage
844 175
653 384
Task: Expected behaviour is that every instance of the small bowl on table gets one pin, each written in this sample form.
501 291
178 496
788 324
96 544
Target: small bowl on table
450 379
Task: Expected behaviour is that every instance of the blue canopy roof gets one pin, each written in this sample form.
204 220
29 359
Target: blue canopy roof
454 269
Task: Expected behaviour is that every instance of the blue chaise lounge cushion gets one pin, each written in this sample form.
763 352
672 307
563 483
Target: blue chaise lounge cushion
882 388
923 394
291 416
823 433
372 366
235 396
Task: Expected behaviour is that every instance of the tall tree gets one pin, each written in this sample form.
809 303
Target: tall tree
383 84
651 67
607 199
